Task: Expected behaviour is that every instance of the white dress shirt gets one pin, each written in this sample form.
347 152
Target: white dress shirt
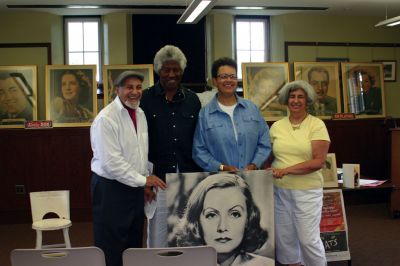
119 151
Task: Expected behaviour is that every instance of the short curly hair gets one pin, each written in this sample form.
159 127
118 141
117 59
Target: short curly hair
190 232
169 53
295 85
223 61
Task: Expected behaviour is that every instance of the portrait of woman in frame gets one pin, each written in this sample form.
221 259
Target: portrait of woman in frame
71 95
363 89
18 95
324 78
110 72
261 85
232 212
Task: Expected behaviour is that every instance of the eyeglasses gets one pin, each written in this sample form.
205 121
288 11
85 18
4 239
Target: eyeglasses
227 76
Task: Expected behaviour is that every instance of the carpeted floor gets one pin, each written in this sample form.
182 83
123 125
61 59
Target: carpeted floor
374 237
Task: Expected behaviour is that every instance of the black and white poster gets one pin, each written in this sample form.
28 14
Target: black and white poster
232 212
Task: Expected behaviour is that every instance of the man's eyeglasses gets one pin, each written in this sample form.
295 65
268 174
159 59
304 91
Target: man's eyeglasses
227 76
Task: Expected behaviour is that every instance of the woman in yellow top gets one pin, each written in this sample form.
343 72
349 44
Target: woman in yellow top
300 143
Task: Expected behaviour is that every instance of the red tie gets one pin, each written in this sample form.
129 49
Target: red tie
132 114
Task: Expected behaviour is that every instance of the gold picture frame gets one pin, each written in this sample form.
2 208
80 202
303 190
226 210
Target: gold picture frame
71 95
363 89
329 171
324 78
110 72
261 85
18 95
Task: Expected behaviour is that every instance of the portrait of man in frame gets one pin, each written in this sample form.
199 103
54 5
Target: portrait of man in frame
18 95
324 78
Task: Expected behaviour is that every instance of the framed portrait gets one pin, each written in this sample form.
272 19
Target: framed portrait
71 95
18 95
111 72
389 69
329 171
363 89
324 78
261 85
207 202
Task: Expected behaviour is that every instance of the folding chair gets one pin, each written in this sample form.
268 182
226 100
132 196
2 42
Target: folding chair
46 202
82 256
182 256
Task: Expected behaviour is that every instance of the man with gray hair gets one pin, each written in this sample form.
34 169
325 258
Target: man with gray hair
171 111
119 166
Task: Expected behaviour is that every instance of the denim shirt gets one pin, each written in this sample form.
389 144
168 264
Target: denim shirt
214 139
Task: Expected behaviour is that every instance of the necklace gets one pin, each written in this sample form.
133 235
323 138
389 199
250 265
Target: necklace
297 126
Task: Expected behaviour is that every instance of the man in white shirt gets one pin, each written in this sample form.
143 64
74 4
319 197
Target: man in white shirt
119 142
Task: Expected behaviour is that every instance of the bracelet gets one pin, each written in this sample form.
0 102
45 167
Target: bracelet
221 167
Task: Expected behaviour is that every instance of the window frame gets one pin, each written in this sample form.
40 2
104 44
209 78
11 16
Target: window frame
267 42
83 19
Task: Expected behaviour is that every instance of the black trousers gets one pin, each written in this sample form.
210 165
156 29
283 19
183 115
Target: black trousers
118 217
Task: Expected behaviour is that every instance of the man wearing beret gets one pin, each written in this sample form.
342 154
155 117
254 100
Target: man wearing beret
120 172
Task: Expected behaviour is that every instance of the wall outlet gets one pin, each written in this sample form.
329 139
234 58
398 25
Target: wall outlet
20 189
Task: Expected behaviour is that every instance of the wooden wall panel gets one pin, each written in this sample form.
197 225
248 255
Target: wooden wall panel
59 158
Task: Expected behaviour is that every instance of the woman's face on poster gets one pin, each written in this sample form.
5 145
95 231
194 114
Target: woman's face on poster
366 82
223 218
70 87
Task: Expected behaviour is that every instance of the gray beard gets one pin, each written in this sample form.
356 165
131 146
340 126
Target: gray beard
132 106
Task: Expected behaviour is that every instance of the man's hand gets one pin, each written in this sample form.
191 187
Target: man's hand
149 194
154 181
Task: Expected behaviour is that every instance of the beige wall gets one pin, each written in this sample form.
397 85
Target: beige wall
31 27
322 28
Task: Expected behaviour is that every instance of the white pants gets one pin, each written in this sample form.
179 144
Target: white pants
157 228
297 219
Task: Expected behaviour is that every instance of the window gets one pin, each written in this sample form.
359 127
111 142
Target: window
251 40
82 42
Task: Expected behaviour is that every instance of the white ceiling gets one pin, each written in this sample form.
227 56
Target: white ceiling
335 7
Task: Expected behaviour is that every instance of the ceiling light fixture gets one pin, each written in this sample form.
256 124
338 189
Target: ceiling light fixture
82 6
389 22
195 11
249 7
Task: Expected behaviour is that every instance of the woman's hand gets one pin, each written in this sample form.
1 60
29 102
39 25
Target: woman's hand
251 166
278 173
230 168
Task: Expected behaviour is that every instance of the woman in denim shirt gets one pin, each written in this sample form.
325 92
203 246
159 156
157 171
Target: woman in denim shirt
231 134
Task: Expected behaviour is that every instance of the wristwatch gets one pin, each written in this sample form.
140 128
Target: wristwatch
221 167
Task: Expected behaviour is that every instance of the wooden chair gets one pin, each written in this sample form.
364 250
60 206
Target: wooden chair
46 202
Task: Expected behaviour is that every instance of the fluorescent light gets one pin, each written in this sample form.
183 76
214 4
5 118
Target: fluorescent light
249 7
389 22
195 11
394 23
82 6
